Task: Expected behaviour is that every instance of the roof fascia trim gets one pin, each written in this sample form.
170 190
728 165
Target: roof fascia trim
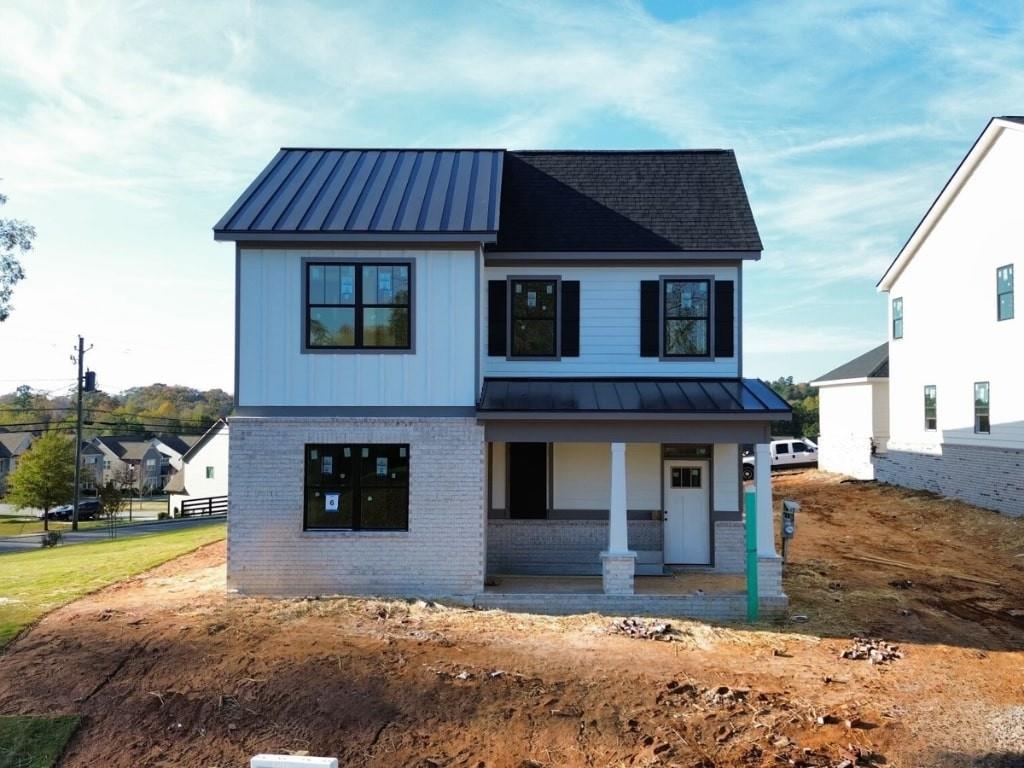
483 415
838 382
355 237
974 157
518 257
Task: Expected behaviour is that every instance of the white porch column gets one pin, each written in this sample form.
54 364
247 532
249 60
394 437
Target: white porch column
765 507
618 564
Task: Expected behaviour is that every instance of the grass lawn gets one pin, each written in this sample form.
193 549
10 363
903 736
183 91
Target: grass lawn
15 526
33 583
34 742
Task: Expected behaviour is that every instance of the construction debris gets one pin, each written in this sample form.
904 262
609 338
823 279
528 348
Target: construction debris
642 629
872 649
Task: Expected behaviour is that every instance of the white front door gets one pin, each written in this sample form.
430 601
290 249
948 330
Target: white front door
687 513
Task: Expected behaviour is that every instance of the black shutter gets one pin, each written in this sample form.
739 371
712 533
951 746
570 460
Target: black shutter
649 317
570 318
724 311
497 311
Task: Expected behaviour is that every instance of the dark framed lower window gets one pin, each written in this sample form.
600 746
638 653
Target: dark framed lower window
357 487
534 317
982 424
365 305
686 330
931 408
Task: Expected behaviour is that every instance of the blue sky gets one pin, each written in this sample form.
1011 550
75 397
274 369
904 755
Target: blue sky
126 130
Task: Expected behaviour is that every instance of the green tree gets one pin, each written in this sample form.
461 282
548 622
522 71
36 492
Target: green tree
804 401
111 498
15 236
45 476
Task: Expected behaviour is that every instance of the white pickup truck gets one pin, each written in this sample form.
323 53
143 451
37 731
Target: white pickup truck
786 452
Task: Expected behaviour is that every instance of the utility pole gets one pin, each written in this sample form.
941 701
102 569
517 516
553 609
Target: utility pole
87 382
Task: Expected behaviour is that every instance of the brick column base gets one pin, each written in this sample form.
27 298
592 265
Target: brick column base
769 577
617 571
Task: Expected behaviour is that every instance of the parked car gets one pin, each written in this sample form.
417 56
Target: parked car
787 452
87 510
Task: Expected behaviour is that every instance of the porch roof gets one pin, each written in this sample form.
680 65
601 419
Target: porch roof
630 398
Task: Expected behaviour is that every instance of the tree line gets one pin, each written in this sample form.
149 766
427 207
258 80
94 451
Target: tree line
803 398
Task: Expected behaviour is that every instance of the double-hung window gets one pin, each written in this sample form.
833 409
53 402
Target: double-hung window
982 425
365 305
897 318
686 330
534 318
357 487
931 408
1004 292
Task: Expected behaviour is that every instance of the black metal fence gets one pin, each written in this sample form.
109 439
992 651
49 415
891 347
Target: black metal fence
210 505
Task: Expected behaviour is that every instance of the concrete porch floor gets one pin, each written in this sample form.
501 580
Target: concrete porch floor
686 583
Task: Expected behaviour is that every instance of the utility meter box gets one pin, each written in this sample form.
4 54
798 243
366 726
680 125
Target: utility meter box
789 510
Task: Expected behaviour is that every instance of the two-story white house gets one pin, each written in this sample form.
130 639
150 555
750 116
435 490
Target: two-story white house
457 366
956 349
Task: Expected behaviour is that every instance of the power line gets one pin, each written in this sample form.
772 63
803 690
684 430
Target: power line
147 419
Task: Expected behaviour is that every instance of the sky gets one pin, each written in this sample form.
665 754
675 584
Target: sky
128 128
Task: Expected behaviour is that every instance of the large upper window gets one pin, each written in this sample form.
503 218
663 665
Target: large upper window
687 318
357 487
534 318
981 403
931 408
897 318
1004 292
358 306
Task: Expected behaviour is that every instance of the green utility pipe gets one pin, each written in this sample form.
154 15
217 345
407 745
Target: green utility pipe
751 526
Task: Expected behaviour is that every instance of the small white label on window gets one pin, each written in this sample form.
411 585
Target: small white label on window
331 502
328 465
382 467
531 299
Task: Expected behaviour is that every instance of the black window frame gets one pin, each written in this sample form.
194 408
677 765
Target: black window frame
933 419
982 413
556 320
708 318
1001 293
355 485
358 306
897 334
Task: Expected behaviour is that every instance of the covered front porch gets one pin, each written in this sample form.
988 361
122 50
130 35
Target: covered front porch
587 510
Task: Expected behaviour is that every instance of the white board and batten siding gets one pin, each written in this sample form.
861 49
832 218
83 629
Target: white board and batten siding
610 324
951 337
274 370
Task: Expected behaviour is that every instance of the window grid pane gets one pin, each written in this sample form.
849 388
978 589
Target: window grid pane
982 423
931 408
897 318
534 310
358 306
1004 292
357 487
687 314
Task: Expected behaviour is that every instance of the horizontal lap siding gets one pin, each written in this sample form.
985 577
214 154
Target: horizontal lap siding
610 325
273 371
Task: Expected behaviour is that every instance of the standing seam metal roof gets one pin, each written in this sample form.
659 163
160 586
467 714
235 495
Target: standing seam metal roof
352 192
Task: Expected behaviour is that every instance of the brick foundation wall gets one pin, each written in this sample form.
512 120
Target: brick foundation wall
559 547
441 554
730 546
992 478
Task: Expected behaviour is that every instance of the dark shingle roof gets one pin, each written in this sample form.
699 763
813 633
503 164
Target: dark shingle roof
870 365
658 396
1013 118
686 200
346 194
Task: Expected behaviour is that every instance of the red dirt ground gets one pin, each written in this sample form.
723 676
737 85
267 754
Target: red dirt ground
170 672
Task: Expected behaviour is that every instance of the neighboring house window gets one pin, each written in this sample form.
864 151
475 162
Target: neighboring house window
897 318
931 408
5 465
150 463
1004 292
687 318
106 464
209 473
534 318
981 402
357 487
358 306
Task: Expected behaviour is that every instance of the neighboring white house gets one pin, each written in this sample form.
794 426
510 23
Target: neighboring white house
853 409
204 469
956 351
457 365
